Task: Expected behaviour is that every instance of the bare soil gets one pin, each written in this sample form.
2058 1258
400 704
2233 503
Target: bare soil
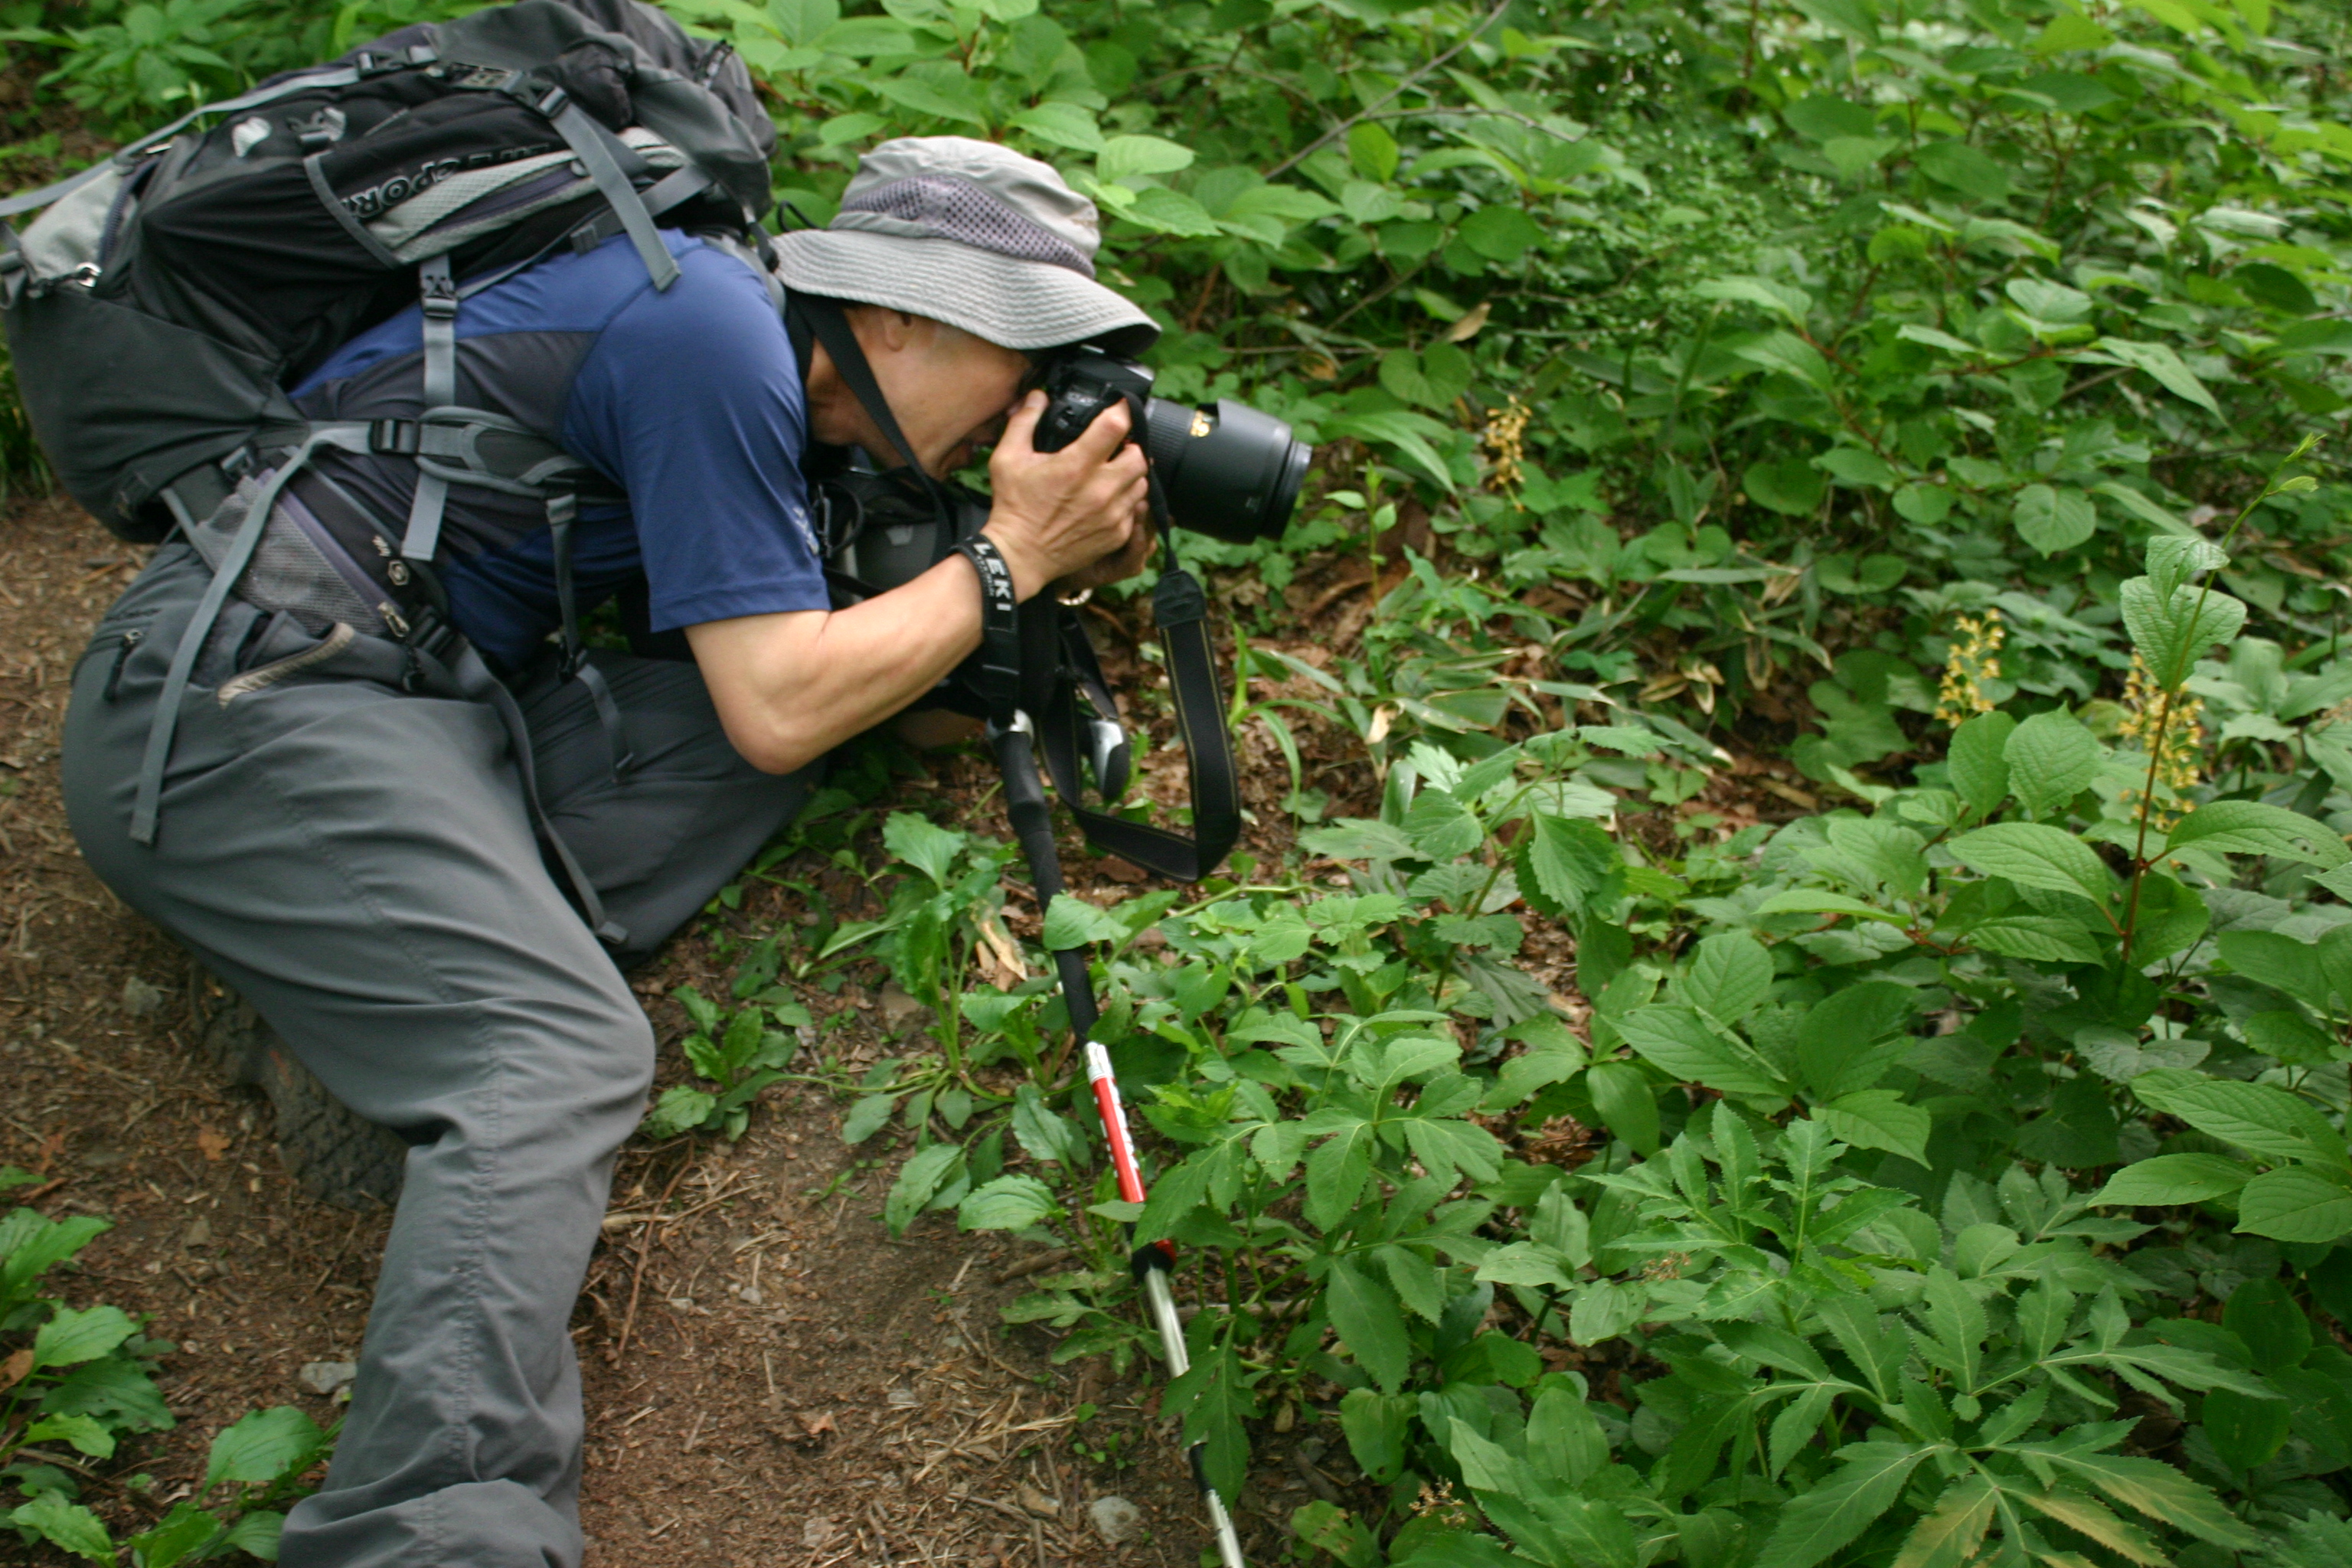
770 1378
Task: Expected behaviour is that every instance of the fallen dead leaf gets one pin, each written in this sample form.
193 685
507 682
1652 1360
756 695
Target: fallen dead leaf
815 1532
1038 1503
815 1424
1005 953
213 1144
14 1370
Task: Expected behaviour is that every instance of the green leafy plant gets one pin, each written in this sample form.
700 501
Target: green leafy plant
77 1384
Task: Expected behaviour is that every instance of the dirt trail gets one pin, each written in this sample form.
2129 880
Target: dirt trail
795 1387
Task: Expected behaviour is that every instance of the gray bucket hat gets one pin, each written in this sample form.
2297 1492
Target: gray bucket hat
971 233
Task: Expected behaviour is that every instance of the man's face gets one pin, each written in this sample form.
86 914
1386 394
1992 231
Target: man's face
950 390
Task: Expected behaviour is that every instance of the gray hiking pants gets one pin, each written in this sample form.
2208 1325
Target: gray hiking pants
358 862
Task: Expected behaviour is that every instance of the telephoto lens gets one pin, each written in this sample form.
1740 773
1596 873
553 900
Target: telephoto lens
1227 470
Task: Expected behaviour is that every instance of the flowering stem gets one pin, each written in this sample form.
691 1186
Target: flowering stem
2170 688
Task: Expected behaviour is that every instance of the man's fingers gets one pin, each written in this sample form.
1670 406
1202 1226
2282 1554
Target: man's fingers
1098 440
1021 424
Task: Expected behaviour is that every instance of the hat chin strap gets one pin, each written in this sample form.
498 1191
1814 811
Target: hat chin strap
807 316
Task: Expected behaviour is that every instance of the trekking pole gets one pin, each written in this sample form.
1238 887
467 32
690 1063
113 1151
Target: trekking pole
1152 1265
1033 824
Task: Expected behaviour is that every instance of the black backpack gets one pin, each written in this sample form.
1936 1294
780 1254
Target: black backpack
158 310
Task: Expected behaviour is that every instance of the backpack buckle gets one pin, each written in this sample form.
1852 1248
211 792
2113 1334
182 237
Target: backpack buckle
368 63
397 437
438 295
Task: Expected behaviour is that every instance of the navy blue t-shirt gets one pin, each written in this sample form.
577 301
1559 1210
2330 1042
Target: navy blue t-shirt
689 399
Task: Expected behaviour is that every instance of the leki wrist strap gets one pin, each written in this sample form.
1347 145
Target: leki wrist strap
999 629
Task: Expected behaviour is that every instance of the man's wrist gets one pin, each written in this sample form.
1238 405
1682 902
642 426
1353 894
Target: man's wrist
1029 574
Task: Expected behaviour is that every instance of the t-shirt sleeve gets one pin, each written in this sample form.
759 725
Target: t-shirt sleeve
691 401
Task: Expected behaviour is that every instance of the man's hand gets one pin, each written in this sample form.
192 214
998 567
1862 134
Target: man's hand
1076 513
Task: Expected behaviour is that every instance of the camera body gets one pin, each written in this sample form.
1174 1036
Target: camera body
1225 469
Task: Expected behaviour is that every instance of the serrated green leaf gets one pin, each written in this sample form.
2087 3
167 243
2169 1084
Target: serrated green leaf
2253 827
2035 854
2295 1203
2174 1179
1368 1320
1869 1478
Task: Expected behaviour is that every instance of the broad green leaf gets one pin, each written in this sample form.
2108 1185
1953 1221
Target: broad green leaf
2173 630
263 1446
1124 155
1821 901
1628 1107
72 1337
2051 519
1370 1321
85 1434
1373 152
1605 1309
1408 434
1878 1118
1835 1037
1008 1202
2259 1118
803 22
2266 1316
2296 1202
1072 921
2052 759
1061 124
2035 854
1869 1478
1169 212
867 1117
67 1526
2244 1430
1966 169
1377 1426
1682 1042
1783 300
2044 939
919 1179
948 96
1978 762
1568 863
1501 234
1042 1134
2166 367
2252 827
1525 1263
2280 961
2174 1179
1792 356
1729 975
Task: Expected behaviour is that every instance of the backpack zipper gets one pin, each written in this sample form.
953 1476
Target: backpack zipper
122 651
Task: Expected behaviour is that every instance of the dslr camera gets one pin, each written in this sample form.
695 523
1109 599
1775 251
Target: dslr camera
1227 471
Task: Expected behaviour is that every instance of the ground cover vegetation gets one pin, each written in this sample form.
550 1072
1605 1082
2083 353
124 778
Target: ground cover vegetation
1792 1006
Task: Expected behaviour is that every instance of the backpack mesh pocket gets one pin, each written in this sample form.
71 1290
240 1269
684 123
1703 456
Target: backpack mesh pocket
298 567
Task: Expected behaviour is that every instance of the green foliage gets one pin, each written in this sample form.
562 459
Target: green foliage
77 1384
1953 1171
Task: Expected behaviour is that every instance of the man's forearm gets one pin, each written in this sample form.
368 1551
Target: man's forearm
789 687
